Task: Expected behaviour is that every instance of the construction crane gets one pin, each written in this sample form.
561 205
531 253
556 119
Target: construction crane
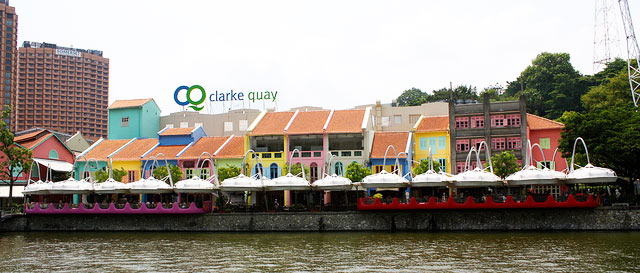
633 52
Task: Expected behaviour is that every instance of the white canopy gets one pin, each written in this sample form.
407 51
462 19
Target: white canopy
195 184
61 166
332 182
384 179
242 183
111 186
531 175
287 182
431 179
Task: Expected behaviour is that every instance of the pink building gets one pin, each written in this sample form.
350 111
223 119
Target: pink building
545 132
48 151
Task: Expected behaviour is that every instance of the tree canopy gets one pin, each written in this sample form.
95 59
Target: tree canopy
504 164
356 172
228 171
15 159
424 167
161 172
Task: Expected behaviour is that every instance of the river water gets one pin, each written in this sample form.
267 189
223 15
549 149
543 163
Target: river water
347 252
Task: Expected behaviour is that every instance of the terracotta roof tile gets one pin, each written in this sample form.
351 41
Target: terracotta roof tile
128 103
346 121
311 122
26 136
204 144
433 124
381 140
135 150
170 151
105 148
273 123
30 143
539 123
233 149
177 131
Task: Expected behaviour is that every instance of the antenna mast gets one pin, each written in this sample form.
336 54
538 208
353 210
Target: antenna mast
633 52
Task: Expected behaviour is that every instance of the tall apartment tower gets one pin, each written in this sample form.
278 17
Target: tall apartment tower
63 89
8 48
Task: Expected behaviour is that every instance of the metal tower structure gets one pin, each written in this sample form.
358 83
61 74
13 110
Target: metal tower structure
606 39
633 51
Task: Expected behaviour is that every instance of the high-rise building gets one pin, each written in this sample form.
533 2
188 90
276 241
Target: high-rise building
63 89
8 47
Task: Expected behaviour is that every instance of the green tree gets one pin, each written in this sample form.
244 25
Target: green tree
411 97
612 135
356 172
552 85
423 167
504 164
161 172
14 159
102 175
613 92
228 172
295 170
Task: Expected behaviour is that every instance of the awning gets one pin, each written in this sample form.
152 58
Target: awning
55 165
17 191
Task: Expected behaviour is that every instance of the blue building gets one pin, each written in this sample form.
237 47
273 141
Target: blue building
129 119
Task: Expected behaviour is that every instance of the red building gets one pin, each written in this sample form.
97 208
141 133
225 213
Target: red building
48 151
545 132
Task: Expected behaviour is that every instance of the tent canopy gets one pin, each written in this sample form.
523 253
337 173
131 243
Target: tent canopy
56 165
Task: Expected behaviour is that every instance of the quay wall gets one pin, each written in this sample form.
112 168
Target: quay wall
458 220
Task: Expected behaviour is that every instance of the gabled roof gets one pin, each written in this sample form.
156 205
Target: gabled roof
433 124
539 123
204 144
33 141
381 140
177 131
170 151
134 151
24 137
311 122
105 148
273 123
128 103
233 149
346 121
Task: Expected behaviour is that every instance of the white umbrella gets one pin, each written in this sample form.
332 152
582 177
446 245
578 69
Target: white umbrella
332 182
151 184
290 181
530 175
385 179
110 185
242 183
588 173
37 187
195 184
477 177
431 178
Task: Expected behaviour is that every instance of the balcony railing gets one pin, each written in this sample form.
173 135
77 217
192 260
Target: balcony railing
309 154
269 155
347 153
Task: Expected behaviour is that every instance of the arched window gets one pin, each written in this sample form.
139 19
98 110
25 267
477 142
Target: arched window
257 169
53 154
273 171
339 169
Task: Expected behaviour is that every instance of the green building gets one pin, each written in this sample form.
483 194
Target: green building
129 119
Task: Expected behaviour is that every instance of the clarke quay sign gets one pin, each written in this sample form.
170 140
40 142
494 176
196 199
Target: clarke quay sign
201 95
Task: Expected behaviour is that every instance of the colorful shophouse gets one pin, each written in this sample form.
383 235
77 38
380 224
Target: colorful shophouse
402 142
433 132
172 143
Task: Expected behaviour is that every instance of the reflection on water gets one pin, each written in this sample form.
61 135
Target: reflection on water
353 252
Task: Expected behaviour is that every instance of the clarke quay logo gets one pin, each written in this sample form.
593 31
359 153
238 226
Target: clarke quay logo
252 96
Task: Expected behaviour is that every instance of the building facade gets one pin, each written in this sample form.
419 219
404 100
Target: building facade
8 55
234 122
391 118
133 119
64 89
502 125
433 132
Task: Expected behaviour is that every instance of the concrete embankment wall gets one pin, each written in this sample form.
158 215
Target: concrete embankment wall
467 220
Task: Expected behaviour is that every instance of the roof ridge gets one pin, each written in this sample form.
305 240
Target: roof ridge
546 119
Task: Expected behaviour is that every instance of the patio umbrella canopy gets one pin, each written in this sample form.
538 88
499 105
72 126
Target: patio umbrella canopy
242 183
431 179
588 173
530 175
71 186
332 183
385 179
477 177
111 186
288 182
149 185
195 184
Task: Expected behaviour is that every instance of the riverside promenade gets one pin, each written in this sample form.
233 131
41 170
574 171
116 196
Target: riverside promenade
603 218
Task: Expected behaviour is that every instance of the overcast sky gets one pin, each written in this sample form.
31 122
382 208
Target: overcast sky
333 54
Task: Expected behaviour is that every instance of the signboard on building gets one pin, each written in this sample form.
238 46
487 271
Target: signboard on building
68 52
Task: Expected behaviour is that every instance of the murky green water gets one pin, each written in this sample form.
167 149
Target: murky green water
350 252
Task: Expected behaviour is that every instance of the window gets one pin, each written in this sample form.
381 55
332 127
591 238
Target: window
313 172
188 173
378 169
546 164
514 143
53 154
228 126
513 120
424 145
170 126
462 122
497 121
476 143
442 143
184 124
477 122
545 143
462 145
413 119
385 121
197 124
459 167
204 173
397 119
433 143
243 125
124 122
339 169
443 164
497 144
131 175
273 171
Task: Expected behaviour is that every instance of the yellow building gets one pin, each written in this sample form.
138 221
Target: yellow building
433 132
128 157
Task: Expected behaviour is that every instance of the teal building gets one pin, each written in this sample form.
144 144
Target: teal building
129 119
